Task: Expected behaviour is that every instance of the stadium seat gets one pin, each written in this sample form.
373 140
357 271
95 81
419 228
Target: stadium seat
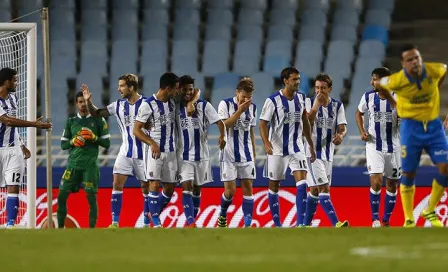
215 64
122 32
344 33
94 17
220 4
250 32
5 5
165 4
372 48
97 4
346 17
95 84
186 17
382 4
186 32
315 33
309 65
275 63
379 17
62 33
314 17
63 49
125 4
321 4
278 48
62 17
216 48
250 17
219 17
155 32
155 17
188 4
280 32
184 65
283 17
247 48
153 49
338 67
156 64
304 85
95 65
350 5
218 33
244 65
225 80
28 4
185 48
365 65
309 48
379 33
264 86
254 4
341 49
94 33
286 4
63 67
63 4
5 15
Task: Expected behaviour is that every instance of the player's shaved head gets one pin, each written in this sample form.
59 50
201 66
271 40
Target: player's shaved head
6 74
407 47
168 80
381 72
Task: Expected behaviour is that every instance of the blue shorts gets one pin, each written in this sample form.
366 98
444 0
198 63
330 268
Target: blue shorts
414 138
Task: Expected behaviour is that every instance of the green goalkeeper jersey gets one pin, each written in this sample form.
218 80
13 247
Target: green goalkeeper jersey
82 157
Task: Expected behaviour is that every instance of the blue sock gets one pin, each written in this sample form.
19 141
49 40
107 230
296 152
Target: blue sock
196 204
325 202
248 210
311 207
389 205
187 204
12 208
225 203
146 219
274 205
301 201
117 198
154 208
375 198
163 201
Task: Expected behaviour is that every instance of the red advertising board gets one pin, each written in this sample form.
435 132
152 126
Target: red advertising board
351 203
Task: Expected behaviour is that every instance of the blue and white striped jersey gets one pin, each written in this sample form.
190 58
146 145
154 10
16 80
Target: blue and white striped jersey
285 117
126 113
383 122
193 131
325 127
239 143
9 136
161 116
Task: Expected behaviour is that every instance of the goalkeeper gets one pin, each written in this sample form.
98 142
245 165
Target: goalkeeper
82 136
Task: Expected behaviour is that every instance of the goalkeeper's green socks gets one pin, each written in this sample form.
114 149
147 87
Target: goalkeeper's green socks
62 207
93 215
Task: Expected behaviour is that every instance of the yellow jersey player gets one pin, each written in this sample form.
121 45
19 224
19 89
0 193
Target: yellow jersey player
418 104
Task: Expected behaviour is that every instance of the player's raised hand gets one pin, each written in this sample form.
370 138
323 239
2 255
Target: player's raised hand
268 148
221 142
42 125
337 139
365 136
320 99
86 92
244 106
26 152
155 150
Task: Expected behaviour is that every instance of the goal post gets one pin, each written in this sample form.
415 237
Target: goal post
18 46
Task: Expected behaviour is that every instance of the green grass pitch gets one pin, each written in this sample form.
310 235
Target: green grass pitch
325 249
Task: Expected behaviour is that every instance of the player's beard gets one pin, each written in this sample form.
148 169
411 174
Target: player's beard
12 90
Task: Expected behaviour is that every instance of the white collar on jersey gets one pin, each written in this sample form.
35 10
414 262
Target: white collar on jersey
88 115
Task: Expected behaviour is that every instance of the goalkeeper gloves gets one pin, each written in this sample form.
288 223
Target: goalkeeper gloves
78 141
87 134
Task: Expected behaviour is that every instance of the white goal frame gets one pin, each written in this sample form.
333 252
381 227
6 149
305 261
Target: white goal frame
31 66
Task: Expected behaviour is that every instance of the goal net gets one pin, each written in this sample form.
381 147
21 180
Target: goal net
18 51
